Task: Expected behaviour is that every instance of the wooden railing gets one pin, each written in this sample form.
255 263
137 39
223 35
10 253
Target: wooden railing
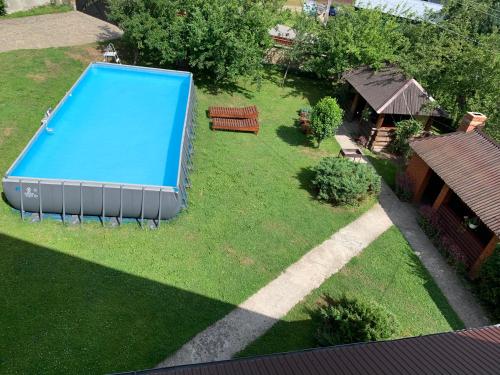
451 226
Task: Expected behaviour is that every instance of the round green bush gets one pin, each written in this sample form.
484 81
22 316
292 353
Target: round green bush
489 284
326 117
341 181
349 320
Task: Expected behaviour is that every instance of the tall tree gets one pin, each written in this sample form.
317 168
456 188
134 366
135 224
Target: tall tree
357 37
223 39
457 58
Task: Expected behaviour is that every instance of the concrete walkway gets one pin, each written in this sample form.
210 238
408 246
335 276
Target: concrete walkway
257 314
404 216
261 311
54 30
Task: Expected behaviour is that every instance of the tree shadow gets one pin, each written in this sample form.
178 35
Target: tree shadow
305 177
212 88
434 292
63 314
293 135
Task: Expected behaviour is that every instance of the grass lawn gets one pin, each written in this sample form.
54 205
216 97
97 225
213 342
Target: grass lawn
385 167
37 11
97 300
387 272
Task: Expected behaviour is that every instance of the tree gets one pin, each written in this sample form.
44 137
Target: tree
457 59
326 117
222 39
357 37
405 130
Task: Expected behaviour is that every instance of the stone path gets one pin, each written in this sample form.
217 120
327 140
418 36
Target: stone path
257 314
404 216
54 30
261 311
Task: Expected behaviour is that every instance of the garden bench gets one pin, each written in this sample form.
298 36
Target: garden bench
233 112
234 124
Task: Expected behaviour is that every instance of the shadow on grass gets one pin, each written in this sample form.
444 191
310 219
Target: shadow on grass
63 314
435 293
305 177
293 136
386 168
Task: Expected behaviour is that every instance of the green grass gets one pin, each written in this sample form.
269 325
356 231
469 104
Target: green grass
98 300
385 167
37 11
387 272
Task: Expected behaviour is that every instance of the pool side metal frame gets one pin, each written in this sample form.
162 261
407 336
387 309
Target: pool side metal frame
188 131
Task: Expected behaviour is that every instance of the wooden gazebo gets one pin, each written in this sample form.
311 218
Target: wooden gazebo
385 96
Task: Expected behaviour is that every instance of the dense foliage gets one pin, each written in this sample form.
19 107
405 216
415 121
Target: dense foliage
456 57
223 39
3 9
341 181
489 284
326 117
405 130
353 38
348 320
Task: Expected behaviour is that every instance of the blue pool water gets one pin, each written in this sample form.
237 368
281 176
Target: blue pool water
118 124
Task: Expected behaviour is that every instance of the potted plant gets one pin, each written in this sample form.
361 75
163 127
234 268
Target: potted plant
472 222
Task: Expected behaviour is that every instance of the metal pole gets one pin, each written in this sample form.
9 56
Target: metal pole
159 212
103 205
142 208
22 203
121 204
81 203
40 199
63 204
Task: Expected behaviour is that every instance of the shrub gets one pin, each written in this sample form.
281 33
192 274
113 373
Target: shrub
3 8
489 284
405 130
326 117
343 182
348 320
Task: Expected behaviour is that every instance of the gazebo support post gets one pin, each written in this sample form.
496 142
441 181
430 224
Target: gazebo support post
487 251
443 196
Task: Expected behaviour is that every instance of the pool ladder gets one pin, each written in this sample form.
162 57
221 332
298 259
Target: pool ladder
110 54
45 121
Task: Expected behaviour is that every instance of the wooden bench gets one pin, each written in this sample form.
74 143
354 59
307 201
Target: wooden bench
354 153
233 112
234 124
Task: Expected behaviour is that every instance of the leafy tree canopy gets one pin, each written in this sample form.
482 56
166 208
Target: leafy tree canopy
223 39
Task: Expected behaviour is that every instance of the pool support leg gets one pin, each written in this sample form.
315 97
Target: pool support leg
63 204
22 203
103 205
142 208
40 199
121 205
81 203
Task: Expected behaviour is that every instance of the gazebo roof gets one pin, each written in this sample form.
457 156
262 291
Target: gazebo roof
390 91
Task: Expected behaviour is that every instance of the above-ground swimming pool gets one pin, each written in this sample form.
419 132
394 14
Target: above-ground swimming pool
117 145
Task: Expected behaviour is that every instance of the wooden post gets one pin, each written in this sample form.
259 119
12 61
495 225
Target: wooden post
487 251
354 104
380 121
442 197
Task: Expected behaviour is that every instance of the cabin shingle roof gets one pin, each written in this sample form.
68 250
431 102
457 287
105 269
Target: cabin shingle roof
469 163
